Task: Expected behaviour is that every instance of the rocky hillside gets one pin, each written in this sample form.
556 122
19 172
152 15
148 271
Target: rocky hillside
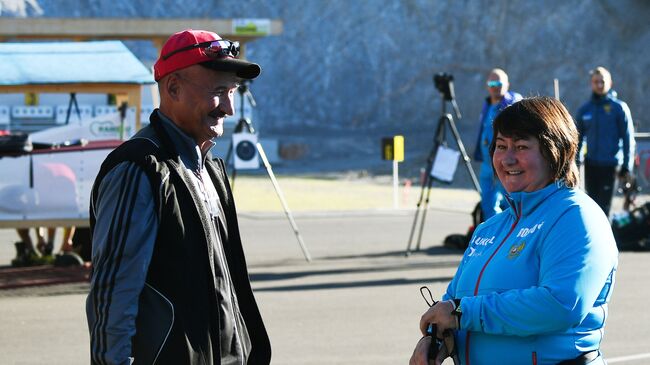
346 72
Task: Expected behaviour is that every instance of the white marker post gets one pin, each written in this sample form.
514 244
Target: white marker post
392 148
395 184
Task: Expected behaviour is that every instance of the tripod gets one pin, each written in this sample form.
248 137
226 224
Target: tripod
439 140
246 124
242 124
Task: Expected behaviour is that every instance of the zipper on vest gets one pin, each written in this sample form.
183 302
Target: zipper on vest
480 275
221 257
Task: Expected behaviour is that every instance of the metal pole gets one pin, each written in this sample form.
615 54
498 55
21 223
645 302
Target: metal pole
440 132
284 203
395 184
417 213
424 215
461 148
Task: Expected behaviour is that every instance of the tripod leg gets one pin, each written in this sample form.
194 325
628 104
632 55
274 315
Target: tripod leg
439 136
424 215
284 203
234 175
229 154
461 147
415 219
241 124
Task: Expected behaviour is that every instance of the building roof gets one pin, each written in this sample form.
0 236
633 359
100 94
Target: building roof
39 63
156 30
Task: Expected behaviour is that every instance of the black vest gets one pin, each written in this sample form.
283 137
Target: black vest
180 267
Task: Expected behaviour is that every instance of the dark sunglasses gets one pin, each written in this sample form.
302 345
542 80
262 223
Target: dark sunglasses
215 49
494 83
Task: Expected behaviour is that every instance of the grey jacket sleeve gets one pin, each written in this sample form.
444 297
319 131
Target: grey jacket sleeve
123 242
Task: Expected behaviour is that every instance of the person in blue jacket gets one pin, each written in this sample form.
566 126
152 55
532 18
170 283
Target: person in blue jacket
606 124
534 283
499 98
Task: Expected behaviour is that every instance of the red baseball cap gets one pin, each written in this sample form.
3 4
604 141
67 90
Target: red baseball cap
188 47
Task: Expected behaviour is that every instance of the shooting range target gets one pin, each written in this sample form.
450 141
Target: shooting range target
245 151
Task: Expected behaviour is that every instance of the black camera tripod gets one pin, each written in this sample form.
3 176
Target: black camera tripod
243 124
444 83
246 125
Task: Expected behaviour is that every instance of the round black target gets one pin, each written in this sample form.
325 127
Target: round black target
245 150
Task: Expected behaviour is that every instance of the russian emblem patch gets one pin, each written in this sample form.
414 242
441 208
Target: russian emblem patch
515 250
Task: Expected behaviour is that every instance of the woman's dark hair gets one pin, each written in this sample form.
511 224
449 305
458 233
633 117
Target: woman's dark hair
549 121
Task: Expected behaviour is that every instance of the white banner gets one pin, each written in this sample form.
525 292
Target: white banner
102 127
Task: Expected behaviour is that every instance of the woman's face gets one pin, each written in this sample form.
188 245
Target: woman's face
519 164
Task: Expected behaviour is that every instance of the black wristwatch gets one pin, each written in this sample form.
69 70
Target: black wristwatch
457 311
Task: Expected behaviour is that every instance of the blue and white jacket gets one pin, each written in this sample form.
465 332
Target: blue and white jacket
535 280
606 124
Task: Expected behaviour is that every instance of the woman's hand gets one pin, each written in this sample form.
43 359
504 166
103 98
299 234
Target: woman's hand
421 353
440 314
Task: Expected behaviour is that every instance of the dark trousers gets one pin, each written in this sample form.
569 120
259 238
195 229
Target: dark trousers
599 183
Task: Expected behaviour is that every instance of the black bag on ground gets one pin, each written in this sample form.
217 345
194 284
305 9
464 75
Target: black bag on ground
18 143
632 229
461 241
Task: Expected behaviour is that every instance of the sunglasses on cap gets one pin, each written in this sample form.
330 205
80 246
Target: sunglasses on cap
215 49
494 83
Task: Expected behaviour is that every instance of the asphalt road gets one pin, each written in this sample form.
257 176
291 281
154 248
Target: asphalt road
357 302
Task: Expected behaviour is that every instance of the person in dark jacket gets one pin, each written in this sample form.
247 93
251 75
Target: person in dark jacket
605 123
169 282
499 97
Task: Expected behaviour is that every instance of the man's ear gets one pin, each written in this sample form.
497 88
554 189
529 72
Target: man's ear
172 87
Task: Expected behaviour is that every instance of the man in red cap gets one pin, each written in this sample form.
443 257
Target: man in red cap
169 282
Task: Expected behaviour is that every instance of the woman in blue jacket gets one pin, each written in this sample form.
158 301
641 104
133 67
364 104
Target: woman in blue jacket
534 283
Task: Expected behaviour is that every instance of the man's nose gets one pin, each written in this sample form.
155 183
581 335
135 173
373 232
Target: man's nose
227 105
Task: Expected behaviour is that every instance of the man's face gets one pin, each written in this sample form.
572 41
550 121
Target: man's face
600 84
497 86
205 99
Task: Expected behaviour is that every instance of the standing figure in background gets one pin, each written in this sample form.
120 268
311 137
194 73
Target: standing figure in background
499 98
605 123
